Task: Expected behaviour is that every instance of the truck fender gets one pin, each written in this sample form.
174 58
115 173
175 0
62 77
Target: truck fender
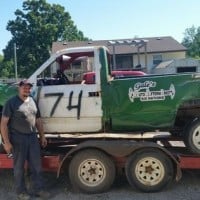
120 148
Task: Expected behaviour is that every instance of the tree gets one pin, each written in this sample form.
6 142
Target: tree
1 59
7 69
191 40
34 30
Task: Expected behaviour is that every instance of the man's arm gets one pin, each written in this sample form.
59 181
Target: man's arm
4 133
40 129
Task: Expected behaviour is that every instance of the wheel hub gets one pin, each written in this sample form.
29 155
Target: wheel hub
92 172
149 169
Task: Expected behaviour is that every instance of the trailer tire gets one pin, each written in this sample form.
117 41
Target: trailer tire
149 170
192 137
91 171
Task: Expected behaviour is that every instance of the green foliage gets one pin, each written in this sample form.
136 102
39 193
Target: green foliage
1 58
191 40
6 91
6 68
34 29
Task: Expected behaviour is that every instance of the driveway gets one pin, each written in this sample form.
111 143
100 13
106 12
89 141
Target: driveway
188 188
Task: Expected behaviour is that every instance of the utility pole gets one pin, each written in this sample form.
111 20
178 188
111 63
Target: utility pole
15 62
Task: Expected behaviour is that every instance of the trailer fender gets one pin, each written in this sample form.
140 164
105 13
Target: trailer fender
120 148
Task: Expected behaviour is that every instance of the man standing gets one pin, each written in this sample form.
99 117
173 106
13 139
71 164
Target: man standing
19 123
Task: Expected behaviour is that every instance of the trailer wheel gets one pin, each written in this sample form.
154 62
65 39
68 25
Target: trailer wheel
192 137
149 170
91 171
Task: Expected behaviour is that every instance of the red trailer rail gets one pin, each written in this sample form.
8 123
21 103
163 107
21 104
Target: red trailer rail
49 163
52 162
189 162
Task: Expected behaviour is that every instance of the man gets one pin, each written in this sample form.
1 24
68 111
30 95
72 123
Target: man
19 123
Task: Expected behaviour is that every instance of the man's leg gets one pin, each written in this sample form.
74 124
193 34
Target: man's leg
35 165
20 151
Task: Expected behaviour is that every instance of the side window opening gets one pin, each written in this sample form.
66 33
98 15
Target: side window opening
68 69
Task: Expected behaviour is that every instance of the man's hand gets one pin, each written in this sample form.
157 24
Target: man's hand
8 147
43 141
39 126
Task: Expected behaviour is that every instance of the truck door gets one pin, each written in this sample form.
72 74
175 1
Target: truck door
70 105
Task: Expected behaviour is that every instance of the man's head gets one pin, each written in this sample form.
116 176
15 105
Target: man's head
24 88
25 82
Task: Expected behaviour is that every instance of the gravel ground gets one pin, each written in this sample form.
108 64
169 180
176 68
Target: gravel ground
188 188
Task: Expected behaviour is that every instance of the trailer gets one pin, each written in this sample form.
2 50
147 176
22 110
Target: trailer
93 162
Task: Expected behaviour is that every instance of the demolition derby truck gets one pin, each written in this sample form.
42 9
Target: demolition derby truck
99 122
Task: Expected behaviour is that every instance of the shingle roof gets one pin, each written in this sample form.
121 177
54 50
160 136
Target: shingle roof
154 45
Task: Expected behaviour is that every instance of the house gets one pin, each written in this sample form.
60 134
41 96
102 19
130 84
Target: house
135 54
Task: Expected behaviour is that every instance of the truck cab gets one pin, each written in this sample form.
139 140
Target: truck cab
67 104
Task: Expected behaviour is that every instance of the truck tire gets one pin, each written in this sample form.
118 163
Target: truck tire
192 137
149 170
91 171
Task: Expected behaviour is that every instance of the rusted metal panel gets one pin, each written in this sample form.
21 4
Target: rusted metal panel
189 162
5 162
49 163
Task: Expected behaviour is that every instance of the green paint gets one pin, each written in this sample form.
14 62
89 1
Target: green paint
145 103
6 91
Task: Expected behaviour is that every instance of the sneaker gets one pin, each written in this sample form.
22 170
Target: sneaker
43 194
23 196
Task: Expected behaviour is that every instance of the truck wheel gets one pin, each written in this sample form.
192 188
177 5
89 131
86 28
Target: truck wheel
192 137
149 170
91 171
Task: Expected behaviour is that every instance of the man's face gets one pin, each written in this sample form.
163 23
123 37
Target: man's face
25 90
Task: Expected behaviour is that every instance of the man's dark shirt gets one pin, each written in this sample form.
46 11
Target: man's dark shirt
22 115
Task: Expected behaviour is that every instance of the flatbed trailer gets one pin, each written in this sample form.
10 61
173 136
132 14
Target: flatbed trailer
81 156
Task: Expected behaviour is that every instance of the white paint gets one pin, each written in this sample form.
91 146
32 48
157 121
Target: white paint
64 120
71 125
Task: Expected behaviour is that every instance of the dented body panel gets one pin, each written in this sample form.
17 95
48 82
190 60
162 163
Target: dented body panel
148 102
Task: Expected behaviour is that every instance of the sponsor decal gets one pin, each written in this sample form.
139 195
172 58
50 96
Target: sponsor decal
144 92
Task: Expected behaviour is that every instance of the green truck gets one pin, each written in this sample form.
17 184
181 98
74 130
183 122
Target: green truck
124 114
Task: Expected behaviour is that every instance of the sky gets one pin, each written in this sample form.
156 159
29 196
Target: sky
118 19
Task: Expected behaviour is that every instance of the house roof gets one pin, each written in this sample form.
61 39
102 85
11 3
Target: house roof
154 45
